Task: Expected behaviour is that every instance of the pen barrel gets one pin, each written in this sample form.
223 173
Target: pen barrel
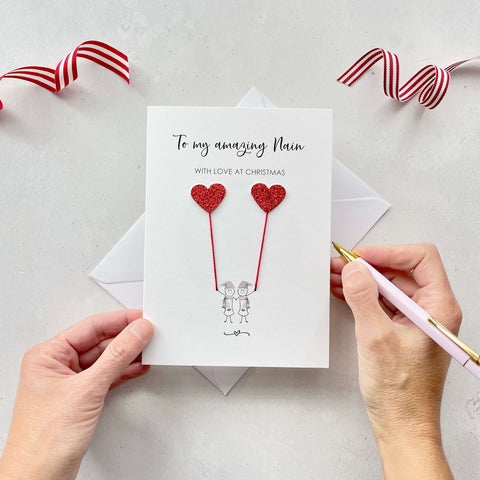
417 315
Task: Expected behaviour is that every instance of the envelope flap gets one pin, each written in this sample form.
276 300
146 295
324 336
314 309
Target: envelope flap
224 378
254 98
356 218
345 184
129 294
124 262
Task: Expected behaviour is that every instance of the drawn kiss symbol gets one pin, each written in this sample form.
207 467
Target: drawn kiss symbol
208 198
268 198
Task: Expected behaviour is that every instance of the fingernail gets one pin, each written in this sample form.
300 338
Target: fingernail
142 329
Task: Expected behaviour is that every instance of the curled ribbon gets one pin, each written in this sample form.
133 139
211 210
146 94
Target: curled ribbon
66 72
431 81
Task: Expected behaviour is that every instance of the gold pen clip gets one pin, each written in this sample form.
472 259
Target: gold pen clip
468 350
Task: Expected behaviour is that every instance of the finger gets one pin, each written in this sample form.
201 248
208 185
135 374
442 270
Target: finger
402 280
386 308
89 332
338 292
336 272
88 358
335 280
361 294
121 351
422 260
394 314
336 265
134 370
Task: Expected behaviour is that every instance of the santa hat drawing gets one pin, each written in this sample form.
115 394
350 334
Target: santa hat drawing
244 284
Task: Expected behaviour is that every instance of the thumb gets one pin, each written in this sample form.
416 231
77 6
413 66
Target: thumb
361 294
122 351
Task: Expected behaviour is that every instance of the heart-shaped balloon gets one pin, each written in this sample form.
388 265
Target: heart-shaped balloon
208 198
268 198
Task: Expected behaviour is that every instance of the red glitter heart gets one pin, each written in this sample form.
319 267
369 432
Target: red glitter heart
268 198
208 198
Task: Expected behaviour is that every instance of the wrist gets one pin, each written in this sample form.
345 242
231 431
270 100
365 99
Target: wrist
413 457
39 463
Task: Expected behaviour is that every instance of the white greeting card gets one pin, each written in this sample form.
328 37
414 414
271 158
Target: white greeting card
237 236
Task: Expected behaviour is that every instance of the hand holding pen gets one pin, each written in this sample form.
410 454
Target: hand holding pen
401 370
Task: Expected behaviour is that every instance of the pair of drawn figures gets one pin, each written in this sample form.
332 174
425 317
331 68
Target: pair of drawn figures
242 298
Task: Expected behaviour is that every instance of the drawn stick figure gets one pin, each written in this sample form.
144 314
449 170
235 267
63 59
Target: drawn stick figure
228 298
243 301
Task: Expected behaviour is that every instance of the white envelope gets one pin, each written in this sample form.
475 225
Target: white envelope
355 209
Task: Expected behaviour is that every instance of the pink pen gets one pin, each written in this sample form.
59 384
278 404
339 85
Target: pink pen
466 356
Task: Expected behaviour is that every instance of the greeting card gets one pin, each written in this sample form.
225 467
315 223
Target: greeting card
237 236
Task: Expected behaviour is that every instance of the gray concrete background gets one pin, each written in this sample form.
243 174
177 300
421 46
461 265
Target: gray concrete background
72 182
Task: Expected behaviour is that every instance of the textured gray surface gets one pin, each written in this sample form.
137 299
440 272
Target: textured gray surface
72 182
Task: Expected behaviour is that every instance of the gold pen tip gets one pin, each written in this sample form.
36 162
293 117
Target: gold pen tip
346 254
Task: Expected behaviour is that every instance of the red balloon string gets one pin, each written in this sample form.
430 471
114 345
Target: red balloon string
209 199
261 251
213 251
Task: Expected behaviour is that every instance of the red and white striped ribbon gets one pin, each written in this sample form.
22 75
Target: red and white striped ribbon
431 81
66 72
